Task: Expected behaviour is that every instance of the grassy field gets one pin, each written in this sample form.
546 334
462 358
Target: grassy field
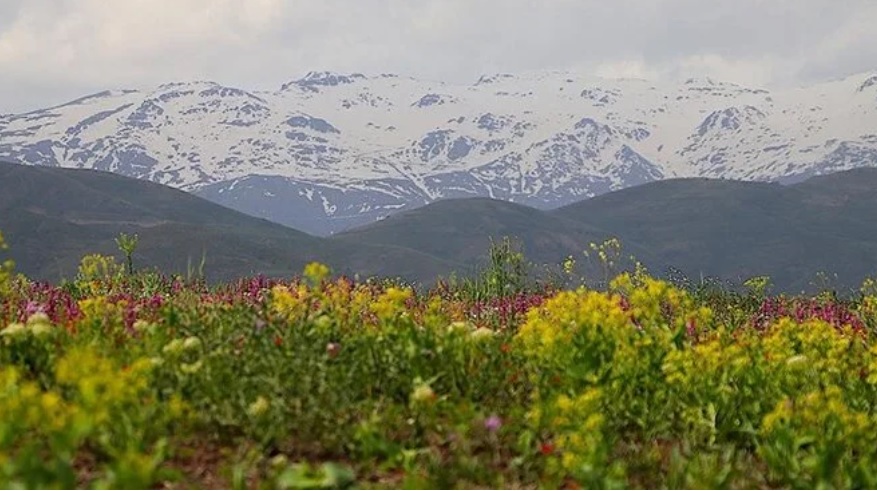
149 381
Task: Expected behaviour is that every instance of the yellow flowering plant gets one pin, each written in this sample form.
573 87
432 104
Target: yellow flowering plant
817 441
97 273
6 268
581 447
112 379
95 406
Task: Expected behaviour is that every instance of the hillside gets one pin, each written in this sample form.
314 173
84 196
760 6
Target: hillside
52 217
461 230
727 229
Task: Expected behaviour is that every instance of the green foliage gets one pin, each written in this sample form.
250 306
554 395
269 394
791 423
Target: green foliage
758 286
92 404
196 272
304 476
121 380
6 267
98 274
128 244
506 273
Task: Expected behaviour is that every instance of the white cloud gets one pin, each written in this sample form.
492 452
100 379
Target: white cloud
637 69
53 50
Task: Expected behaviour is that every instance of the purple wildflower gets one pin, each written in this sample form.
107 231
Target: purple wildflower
493 423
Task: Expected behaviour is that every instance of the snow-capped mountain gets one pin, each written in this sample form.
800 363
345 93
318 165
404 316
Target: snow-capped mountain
331 151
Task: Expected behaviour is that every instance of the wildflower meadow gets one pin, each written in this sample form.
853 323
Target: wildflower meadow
130 378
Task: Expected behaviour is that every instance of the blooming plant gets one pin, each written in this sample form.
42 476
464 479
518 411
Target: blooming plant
6 267
147 380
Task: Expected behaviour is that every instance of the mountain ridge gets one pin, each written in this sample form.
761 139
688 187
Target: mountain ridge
330 151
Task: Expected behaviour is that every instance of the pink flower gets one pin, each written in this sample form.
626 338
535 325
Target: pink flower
33 307
493 423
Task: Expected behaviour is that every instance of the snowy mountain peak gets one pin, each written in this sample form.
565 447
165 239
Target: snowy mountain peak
314 80
332 150
490 79
729 119
869 82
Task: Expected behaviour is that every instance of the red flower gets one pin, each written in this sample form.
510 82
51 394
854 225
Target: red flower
691 327
546 448
278 341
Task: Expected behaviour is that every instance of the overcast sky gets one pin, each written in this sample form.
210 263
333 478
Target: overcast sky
52 51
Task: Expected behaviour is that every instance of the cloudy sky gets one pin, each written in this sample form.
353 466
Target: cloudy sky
54 50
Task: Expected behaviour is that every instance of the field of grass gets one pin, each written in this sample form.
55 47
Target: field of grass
144 380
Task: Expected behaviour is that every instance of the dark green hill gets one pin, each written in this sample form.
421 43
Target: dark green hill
52 217
733 230
461 230
718 228
736 230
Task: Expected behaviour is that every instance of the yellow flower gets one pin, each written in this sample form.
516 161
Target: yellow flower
460 326
278 461
190 368
174 347
5 269
13 329
316 272
391 302
38 318
569 265
796 360
288 304
594 316
191 343
422 393
144 326
323 322
482 333
259 407
39 323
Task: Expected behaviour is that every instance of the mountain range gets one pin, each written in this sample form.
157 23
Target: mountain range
702 227
329 152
